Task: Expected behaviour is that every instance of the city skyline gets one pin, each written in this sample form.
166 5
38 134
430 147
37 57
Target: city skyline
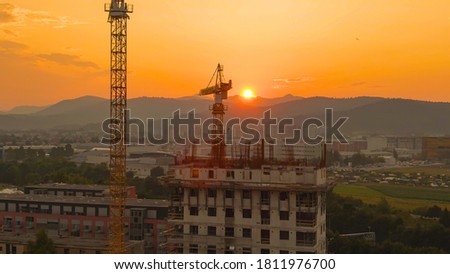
54 51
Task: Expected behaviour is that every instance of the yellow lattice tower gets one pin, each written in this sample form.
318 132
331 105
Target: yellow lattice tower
118 17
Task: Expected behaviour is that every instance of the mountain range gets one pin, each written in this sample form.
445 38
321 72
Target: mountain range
367 115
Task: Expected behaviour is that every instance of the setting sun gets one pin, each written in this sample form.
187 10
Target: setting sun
248 94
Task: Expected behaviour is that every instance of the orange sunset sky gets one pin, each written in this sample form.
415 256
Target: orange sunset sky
52 50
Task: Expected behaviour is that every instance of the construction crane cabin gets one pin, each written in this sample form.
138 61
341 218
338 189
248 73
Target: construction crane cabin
118 16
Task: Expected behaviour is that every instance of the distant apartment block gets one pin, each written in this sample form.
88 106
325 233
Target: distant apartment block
355 146
379 143
436 147
395 142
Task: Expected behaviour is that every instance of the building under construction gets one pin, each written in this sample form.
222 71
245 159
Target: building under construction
246 204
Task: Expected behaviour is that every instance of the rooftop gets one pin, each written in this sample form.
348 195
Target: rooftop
268 176
63 242
81 200
68 186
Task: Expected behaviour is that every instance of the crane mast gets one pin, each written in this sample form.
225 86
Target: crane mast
118 16
220 91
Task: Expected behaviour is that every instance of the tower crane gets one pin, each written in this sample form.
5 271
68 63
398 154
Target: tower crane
219 88
118 11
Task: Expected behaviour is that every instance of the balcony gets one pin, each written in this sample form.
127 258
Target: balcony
175 198
306 242
307 223
178 235
265 201
7 228
310 208
265 221
175 216
75 233
307 203
265 241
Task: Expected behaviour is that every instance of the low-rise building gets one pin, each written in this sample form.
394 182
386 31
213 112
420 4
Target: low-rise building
79 218
61 189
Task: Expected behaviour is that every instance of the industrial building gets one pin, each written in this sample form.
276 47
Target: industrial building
140 160
77 219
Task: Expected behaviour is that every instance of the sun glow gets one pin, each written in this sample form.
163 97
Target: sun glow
248 94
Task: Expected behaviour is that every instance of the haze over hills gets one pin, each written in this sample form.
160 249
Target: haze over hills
400 116
368 115
72 105
25 109
263 102
313 106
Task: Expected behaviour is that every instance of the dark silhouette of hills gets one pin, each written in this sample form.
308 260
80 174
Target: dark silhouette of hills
367 114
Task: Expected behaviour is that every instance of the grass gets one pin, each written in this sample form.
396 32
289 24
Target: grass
410 192
401 197
429 170
357 191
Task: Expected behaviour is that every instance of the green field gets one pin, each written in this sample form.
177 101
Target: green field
401 197
429 170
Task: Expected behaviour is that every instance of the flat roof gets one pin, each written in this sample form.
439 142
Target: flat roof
68 186
63 242
81 200
79 242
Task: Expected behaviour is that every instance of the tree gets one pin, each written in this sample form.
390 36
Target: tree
49 169
434 212
68 150
445 218
20 153
383 206
42 245
157 172
41 153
